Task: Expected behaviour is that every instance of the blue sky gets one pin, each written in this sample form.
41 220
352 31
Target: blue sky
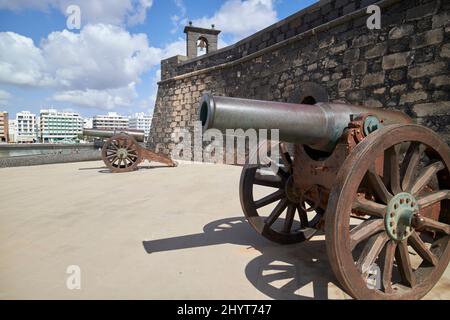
112 62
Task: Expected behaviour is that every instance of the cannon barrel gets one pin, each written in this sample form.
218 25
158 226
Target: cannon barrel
99 133
319 126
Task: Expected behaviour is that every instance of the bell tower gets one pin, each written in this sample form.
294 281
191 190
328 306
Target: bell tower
200 41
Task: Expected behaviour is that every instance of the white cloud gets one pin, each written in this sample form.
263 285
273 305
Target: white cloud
241 18
108 99
21 62
98 67
99 57
117 12
4 97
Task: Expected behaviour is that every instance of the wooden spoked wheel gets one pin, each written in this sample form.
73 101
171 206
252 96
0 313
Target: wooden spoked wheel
401 248
121 153
271 204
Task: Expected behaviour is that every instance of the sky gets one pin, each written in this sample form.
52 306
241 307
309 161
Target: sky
112 62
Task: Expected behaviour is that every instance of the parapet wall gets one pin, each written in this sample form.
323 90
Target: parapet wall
403 66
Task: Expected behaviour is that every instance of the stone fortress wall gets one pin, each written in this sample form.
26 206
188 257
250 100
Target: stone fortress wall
403 66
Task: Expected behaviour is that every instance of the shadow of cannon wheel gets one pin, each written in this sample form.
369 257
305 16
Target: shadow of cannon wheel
294 272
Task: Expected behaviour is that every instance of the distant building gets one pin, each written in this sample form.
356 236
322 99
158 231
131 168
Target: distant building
26 127
112 121
88 123
12 124
58 126
141 121
4 127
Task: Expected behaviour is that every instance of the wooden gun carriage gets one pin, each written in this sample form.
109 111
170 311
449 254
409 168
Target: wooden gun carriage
122 151
377 183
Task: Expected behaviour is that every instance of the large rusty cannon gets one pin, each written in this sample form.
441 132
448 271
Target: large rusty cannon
122 151
377 183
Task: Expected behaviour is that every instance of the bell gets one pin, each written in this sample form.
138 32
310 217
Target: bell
202 44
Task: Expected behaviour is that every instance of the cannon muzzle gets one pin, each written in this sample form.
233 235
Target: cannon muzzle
318 126
99 133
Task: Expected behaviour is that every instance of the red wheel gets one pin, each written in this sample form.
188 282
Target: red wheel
121 153
401 248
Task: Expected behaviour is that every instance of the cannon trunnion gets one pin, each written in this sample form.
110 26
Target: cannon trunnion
122 152
378 185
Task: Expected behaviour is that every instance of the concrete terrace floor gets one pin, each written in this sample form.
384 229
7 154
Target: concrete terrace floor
158 233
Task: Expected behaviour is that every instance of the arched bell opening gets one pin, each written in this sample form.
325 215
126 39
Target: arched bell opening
202 46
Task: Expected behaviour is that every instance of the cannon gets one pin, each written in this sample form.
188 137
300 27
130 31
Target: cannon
375 182
122 152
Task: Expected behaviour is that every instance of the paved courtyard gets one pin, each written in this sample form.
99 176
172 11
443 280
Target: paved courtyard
158 233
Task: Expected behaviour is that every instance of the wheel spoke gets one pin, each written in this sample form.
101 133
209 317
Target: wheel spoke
280 194
289 219
425 177
392 170
404 265
424 223
388 266
268 181
378 186
370 207
371 251
433 198
417 243
276 213
303 217
114 160
111 156
286 157
364 231
410 163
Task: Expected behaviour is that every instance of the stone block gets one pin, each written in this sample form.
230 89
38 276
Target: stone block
351 55
396 60
427 38
398 89
401 31
373 79
440 81
359 68
445 51
345 84
432 109
441 19
413 97
427 69
376 51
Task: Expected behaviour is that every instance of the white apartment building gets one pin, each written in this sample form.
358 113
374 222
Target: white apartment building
4 127
111 121
88 123
26 127
12 124
58 126
142 122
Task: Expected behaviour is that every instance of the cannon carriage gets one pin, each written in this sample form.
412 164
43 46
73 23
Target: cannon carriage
122 151
378 185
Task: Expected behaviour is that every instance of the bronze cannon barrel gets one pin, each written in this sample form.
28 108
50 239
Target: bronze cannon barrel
319 126
99 133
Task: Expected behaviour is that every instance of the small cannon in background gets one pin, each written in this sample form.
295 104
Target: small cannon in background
377 183
122 151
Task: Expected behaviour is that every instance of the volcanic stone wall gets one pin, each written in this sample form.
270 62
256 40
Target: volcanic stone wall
403 66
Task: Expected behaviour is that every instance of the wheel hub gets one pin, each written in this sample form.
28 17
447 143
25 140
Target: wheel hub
122 153
399 216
